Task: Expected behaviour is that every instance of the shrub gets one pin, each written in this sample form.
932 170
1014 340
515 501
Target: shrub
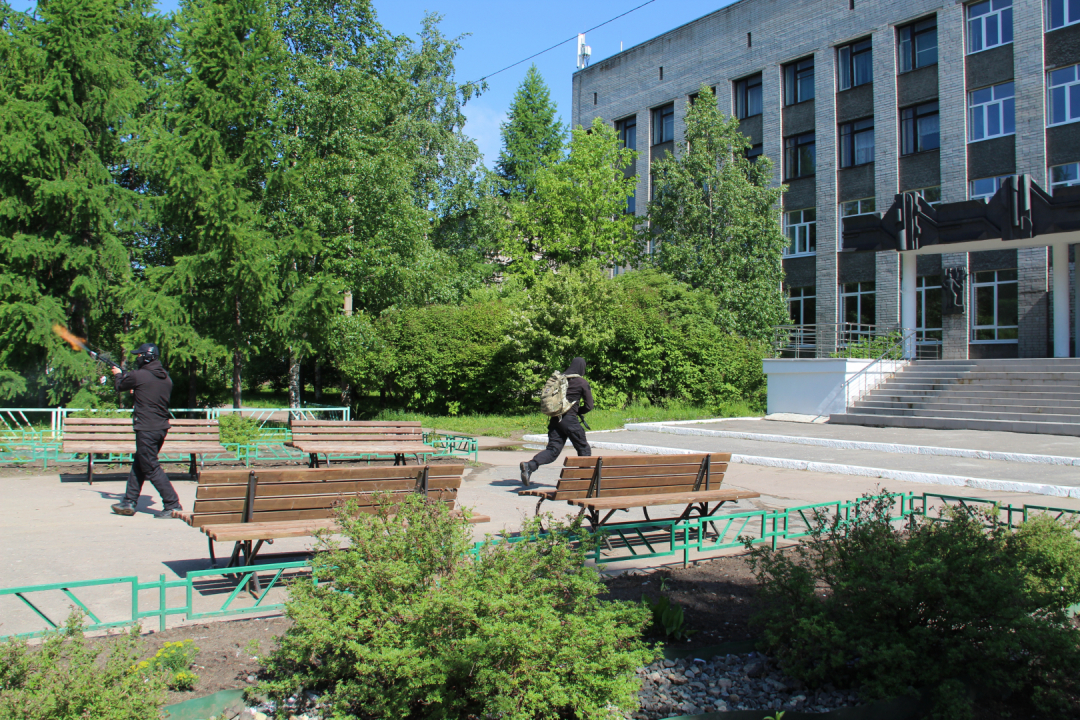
69 678
174 661
936 604
236 428
407 623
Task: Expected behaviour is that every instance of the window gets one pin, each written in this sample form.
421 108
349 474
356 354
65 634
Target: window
857 305
802 305
857 143
919 128
801 228
932 195
991 112
1064 176
994 316
918 44
1062 12
753 152
627 130
989 24
663 121
856 64
748 97
857 207
1063 95
928 309
984 188
799 152
799 81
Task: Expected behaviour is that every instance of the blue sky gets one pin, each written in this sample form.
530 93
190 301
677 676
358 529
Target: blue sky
505 31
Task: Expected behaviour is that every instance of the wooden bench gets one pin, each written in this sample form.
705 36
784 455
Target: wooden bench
253 507
93 436
323 437
601 486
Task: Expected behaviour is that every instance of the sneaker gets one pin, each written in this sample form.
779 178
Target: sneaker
166 514
526 473
123 508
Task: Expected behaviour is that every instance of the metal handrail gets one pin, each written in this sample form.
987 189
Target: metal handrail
904 341
803 338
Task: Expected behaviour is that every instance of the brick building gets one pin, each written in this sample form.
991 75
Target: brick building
856 101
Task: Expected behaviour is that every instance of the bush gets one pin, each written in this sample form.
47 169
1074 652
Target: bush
935 605
68 678
240 429
174 661
407 623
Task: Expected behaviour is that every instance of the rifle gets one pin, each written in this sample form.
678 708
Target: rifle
77 343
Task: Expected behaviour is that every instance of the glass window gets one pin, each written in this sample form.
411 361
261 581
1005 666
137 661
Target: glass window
917 46
664 124
627 130
992 112
801 228
748 97
932 195
995 308
800 155
857 143
799 81
928 309
857 307
989 24
1060 13
984 188
1064 176
856 64
857 207
1063 95
802 305
919 128
753 152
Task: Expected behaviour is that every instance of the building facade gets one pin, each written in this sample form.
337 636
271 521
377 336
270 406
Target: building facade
856 101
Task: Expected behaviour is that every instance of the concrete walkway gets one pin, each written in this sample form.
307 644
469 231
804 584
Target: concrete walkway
56 528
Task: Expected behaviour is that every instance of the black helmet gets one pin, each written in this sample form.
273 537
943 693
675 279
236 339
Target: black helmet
147 352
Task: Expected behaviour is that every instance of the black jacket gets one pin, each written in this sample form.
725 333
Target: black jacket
577 389
153 387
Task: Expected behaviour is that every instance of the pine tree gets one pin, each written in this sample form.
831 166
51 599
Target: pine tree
715 221
70 83
532 137
212 152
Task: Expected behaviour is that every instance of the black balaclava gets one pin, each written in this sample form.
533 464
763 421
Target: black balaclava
577 367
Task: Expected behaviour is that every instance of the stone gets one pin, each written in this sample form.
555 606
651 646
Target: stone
697 686
677 679
669 663
754 668
733 698
251 678
260 716
714 692
654 677
724 683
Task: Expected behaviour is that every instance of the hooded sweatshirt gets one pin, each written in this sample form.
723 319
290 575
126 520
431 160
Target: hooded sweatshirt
577 389
153 387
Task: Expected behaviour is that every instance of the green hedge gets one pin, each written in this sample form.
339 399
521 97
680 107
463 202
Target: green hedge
647 338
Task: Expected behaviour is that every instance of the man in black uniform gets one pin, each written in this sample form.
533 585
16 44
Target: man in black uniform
152 387
560 429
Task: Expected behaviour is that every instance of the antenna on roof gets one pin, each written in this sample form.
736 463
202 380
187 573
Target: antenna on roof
584 52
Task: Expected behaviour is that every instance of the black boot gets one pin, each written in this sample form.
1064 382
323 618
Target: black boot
526 473
123 508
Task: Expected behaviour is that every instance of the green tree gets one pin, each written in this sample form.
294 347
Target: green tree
715 221
71 79
212 151
532 137
577 213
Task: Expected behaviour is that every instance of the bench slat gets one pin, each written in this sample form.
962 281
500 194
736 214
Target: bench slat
346 447
678 498
225 492
571 473
238 518
355 423
302 502
407 432
628 460
633 486
214 477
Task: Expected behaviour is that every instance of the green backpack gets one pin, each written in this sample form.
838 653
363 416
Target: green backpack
553 397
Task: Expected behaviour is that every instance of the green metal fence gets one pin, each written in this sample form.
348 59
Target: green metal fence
201 590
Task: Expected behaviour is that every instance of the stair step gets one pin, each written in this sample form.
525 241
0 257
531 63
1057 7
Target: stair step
940 423
974 409
968 414
989 399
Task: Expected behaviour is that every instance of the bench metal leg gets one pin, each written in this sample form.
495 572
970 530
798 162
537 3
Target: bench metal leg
90 468
538 504
313 460
213 558
191 466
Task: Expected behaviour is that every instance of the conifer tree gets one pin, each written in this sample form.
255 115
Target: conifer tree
212 151
70 82
532 137
715 221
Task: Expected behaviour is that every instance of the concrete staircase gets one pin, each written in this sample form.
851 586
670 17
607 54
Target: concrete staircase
1039 395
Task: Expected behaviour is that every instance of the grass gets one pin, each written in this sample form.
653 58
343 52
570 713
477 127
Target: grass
514 426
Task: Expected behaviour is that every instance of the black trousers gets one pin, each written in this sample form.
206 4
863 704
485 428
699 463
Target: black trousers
146 467
559 431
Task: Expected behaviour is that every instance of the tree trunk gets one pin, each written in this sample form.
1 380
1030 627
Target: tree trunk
192 374
318 381
294 379
236 401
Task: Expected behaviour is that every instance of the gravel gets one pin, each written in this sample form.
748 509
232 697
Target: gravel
729 682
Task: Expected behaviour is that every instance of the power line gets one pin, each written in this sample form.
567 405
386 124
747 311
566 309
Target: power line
563 42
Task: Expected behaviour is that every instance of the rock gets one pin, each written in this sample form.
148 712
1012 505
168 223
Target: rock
260 716
251 678
714 692
654 677
669 663
724 683
677 679
754 668
697 686
733 698
721 706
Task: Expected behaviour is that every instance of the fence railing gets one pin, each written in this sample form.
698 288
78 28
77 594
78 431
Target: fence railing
218 592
